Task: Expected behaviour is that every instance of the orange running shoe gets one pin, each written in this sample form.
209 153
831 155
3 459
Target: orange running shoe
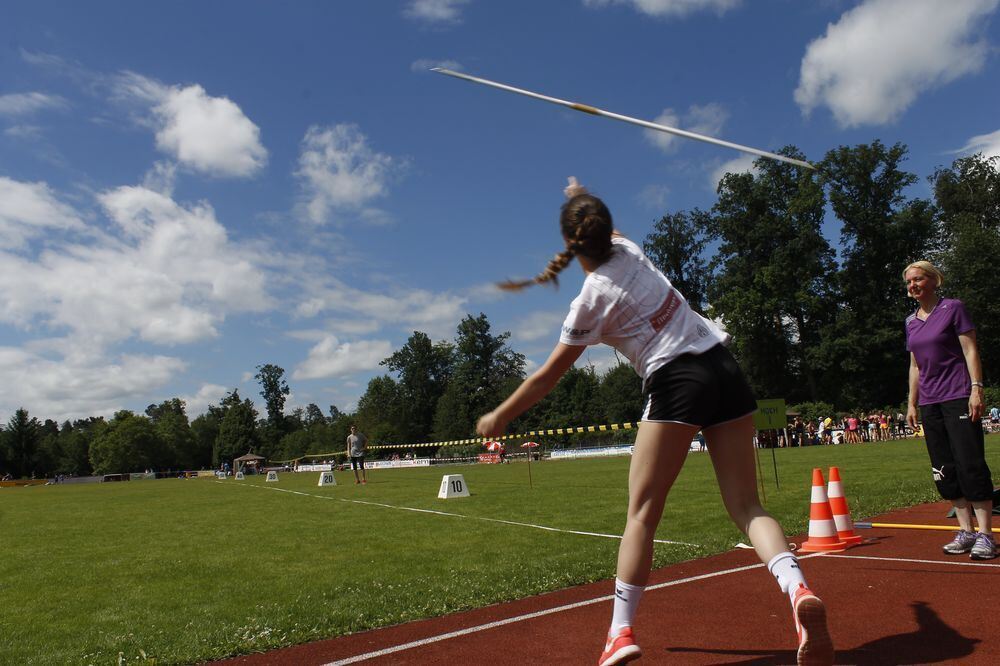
620 649
815 645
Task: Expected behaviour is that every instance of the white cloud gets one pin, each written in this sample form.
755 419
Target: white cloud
79 384
160 178
654 196
537 326
339 171
208 134
705 119
23 131
669 8
741 164
872 64
663 140
208 394
169 276
987 144
331 358
359 311
20 104
435 11
28 210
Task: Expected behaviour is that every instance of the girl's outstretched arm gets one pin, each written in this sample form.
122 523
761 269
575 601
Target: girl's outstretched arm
533 389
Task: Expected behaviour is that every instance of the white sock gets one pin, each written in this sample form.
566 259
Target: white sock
626 603
785 569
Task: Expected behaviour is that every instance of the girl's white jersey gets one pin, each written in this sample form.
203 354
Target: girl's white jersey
629 304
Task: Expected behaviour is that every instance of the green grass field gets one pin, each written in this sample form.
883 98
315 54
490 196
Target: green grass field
184 571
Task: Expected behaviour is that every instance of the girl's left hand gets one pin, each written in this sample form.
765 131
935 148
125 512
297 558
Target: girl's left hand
491 425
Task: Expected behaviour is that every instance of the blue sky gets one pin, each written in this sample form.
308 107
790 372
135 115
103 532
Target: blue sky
188 190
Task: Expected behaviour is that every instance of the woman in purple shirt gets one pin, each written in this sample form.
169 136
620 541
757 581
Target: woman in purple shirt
946 384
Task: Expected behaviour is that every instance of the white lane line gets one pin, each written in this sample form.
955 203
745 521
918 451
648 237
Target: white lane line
459 515
906 559
531 616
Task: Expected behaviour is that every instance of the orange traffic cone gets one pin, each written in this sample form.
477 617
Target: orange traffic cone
822 530
841 514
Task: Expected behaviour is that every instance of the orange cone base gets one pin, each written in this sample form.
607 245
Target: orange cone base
815 547
850 539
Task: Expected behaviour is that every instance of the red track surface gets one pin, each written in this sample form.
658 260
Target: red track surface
883 609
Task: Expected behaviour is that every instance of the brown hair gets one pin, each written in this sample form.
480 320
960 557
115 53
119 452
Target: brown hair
586 225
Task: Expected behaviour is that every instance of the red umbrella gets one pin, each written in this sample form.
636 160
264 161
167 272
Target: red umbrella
530 445
494 447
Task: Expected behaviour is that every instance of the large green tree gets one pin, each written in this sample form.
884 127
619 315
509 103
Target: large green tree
882 231
772 275
127 444
967 196
20 441
676 246
424 369
380 411
178 446
483 365
237 428
621 394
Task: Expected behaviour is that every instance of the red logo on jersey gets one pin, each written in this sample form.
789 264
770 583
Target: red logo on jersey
666 312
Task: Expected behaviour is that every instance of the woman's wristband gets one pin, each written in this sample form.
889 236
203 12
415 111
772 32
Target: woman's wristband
979 384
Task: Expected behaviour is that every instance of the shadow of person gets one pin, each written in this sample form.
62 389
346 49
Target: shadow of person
932 642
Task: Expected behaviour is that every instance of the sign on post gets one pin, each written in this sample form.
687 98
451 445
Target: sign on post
453 485
770 415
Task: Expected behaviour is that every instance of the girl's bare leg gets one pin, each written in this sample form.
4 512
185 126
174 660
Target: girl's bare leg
659 454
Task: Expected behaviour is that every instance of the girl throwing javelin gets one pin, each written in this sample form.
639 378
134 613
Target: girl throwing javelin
691 383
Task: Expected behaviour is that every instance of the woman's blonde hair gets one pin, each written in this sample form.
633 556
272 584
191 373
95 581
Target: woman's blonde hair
586 225
929 269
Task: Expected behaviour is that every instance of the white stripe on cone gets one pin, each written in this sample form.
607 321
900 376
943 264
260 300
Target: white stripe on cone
822 528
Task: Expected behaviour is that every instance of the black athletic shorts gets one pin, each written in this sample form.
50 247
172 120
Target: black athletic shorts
698 389
357 462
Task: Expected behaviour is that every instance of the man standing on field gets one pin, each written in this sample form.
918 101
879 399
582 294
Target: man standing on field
356 444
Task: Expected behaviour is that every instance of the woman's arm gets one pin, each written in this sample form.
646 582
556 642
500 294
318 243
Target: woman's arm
531 390
914 383
971 352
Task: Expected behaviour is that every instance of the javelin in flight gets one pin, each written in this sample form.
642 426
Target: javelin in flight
586 108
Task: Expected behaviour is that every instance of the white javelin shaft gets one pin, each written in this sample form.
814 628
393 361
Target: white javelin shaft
627 119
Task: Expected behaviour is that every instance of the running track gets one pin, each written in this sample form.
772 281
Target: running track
895 600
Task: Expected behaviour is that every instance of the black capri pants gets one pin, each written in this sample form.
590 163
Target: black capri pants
957 450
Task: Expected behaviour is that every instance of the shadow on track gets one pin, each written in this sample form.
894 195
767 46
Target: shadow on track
932 642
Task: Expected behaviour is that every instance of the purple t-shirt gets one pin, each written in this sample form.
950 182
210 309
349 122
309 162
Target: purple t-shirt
935 346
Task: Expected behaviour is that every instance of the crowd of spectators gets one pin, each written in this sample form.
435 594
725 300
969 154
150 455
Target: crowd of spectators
849 428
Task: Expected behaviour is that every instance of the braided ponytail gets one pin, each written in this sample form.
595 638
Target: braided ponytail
550 274
586 225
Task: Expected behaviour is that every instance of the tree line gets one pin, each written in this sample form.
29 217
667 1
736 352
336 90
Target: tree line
435 392
812 322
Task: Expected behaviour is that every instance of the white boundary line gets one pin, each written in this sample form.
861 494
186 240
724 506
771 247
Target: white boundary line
459 515
914 561
531 616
